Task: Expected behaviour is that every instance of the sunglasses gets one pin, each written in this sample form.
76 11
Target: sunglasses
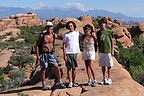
87 29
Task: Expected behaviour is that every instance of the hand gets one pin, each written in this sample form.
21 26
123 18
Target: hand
65 58
112 53
94 34
38 58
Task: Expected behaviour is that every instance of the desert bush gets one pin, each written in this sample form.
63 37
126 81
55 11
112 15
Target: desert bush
1 71
2 37
9 34
17 78
6 84
116 22
132 59
1 75
30 34
1 79
20 60
7 69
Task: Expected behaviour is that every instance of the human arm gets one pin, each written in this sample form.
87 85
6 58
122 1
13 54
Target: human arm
58 37
64 52
81 40
95 37
64 48
37 47
112 47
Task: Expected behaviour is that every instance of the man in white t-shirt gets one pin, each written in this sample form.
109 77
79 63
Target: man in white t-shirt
70 51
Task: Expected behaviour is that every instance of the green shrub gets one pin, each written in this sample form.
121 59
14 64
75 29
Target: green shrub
7 69
6 84
2 37
1 71
18 76
132 59
116 22
1 79
20 60
9 34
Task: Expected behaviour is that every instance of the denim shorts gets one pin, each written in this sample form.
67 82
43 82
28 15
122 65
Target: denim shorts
47 60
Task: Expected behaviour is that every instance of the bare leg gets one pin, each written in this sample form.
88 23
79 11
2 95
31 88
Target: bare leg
69 74
73 74
43 74
91 68
87 69
58 74
103 71
108 71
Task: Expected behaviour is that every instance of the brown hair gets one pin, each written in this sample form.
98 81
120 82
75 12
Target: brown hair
103 20
69 23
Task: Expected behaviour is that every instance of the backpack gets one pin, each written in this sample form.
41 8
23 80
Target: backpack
95 44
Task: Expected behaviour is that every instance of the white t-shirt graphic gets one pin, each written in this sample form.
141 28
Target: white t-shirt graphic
72 42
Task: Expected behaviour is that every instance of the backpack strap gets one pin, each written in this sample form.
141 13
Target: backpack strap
40 45
53 42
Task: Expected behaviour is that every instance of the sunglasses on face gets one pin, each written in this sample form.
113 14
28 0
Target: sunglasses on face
87 29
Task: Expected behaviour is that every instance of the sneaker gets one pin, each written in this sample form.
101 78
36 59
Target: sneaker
75 85
62 86
70 85
44 88
90 82
94 84
109 81
104 81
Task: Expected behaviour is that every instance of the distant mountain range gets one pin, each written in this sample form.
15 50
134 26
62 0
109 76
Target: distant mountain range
46 12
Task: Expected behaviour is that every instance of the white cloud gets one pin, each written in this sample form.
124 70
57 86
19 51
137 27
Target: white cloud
76 5
41 4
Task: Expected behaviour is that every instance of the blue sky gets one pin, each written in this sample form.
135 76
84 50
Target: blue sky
133 8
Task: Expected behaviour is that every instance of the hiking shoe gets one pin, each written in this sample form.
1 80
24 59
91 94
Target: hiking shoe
104 81
70 85
90 82
75 85
109 81
62 86
94 84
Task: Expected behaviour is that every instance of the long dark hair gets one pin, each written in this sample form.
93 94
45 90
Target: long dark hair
88 26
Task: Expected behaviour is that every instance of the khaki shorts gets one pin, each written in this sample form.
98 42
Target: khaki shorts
71 61
105 59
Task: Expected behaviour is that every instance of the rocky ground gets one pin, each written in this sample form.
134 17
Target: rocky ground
5 56
123 84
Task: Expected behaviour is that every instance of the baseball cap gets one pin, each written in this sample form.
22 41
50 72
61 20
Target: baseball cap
49 24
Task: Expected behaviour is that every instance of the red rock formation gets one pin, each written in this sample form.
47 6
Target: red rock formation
86 20
20 19
123 36
55 20
118 21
